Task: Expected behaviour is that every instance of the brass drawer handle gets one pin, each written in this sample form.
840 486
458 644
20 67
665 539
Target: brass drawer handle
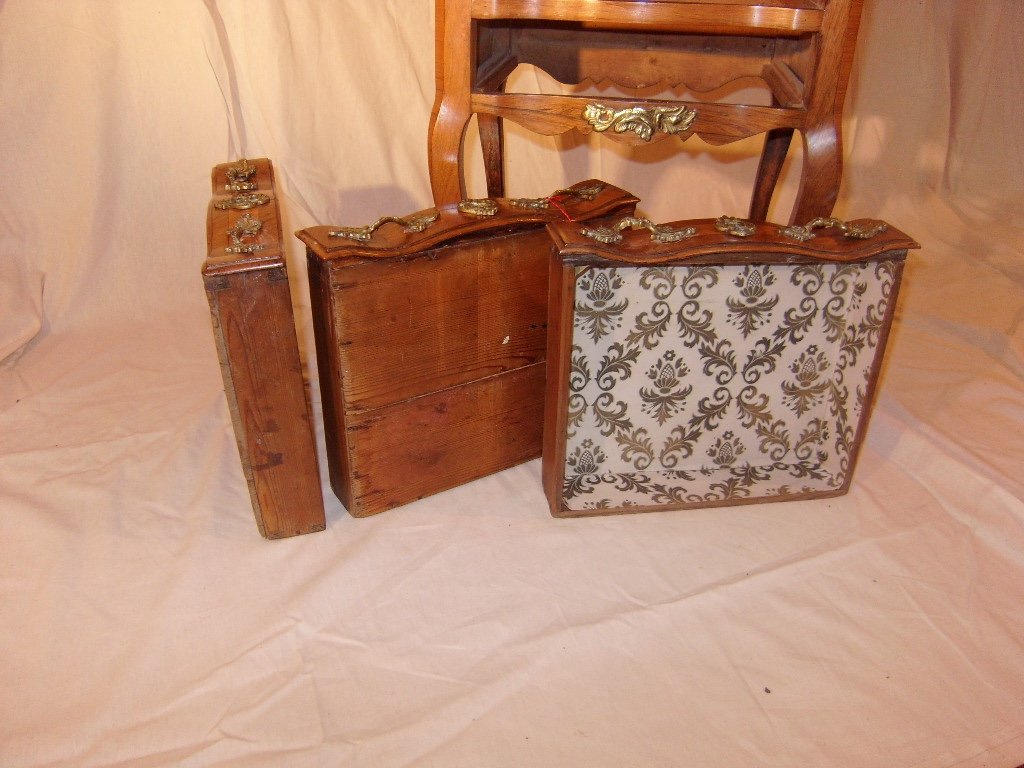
862 231
642 121
243 202
580 194
411 224
659 234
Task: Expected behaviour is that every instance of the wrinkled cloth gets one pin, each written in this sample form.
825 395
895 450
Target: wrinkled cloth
144 622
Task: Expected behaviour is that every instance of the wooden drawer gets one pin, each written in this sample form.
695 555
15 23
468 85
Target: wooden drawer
431 343
246 281
729 363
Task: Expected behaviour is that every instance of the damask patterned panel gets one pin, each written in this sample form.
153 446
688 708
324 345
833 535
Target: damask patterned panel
694 385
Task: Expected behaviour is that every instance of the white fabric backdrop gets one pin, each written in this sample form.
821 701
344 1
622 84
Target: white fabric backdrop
143 621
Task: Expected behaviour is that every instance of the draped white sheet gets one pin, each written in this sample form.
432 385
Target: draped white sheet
143 621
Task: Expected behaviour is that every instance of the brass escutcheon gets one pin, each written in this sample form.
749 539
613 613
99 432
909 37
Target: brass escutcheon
247 226
241 172
731 225
480 207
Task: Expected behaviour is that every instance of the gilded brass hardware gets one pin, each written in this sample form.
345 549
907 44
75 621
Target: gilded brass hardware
862 231
659 234
587 194
243 202
411 224
480 207
241 172
642 121
247 226
531 203
730 225
244 248
240 177
798 233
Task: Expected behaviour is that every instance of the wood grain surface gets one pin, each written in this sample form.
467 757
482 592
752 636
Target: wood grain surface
799 51
431 348
254 331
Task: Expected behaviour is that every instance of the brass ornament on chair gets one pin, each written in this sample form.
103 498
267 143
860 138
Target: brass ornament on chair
659 234
858 231
642 121
409 224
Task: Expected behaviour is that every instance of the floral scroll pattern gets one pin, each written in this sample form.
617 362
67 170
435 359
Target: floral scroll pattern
704 384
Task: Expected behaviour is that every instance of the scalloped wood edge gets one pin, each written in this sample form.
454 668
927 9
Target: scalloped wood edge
715 123
768 18
391 241
767 240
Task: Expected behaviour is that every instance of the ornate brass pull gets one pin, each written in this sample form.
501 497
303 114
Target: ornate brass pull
480 207
862 231
412 224
730 225
659 234
587 193
247 226
642 121
243 202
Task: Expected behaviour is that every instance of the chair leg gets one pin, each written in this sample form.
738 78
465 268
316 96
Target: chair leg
822 171
492 142
776 147
445 136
